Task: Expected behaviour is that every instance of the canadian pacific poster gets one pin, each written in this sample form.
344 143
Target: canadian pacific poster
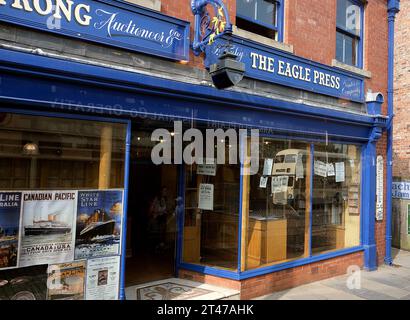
48 227
99 217
10 203
66 281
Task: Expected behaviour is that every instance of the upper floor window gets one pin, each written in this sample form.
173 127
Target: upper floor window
263 17
349 32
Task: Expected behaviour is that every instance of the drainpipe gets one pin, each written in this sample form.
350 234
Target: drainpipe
393 7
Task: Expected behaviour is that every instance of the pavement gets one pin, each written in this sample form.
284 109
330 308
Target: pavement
386 283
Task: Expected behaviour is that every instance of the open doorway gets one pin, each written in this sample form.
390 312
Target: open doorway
151 227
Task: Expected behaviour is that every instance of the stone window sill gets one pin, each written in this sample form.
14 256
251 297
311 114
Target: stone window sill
263 40
150 4
347 67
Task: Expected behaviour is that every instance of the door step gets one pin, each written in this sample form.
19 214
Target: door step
179 289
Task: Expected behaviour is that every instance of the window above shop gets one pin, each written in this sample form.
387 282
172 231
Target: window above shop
349 32
263 17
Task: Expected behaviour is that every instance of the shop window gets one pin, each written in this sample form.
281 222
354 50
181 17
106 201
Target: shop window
262 17
277 221
39 152
349 27
211 219
335 199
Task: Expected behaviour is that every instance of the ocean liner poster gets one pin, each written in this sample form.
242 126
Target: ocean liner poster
10 203
48 227
66 281
99 217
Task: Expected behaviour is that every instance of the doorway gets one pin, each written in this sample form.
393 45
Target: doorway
151 226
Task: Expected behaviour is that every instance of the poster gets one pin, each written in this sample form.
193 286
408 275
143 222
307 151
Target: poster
206 196
340 171
99 222
320 168
103 276
330 170
280 184
66 281
263 182
48 227
29 283
267 167
10 203
300 171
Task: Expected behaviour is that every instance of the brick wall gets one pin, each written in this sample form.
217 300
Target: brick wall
401 130
281 280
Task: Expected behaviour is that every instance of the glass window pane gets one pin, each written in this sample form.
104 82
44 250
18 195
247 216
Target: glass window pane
348 16
211 232
277 221
69 153
266 12
346 49
336 197
246 8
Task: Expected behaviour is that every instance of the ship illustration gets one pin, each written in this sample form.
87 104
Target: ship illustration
98 225
51 225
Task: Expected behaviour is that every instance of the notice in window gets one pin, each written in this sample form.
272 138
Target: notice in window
267 167
103 276
263 182
300 171
206 196
208 168
320 168
340 171
330 170
280 184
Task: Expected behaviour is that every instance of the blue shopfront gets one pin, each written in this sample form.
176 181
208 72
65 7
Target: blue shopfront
70 124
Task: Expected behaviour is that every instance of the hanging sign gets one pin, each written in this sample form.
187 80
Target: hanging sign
272 65
112 23
340 171
379 188
320 168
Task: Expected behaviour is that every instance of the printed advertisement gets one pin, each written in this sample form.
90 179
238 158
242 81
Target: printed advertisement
99 217
280 184
320 168
28 283
66 281
103 276
206 196
48 227
9 228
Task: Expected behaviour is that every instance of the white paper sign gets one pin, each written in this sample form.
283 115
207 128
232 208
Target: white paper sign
267 167
320 168
263 182
103 277
379 188
299 168
280 184
340 171
206 196
208 168
330 170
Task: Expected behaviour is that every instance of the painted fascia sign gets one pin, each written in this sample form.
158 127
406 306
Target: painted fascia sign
113 23
276 66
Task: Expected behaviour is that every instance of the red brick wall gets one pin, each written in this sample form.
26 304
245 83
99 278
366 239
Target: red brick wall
401 129
281 280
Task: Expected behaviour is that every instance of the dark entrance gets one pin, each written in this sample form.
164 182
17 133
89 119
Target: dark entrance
151 227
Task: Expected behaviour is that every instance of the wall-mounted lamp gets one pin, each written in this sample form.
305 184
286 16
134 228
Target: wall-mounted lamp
31 149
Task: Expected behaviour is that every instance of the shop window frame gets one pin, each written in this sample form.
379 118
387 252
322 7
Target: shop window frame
241 273
358 37
278 28
25 110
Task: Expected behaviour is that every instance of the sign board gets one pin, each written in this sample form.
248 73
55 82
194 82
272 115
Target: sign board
113 23
379 188
401 190
272 65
